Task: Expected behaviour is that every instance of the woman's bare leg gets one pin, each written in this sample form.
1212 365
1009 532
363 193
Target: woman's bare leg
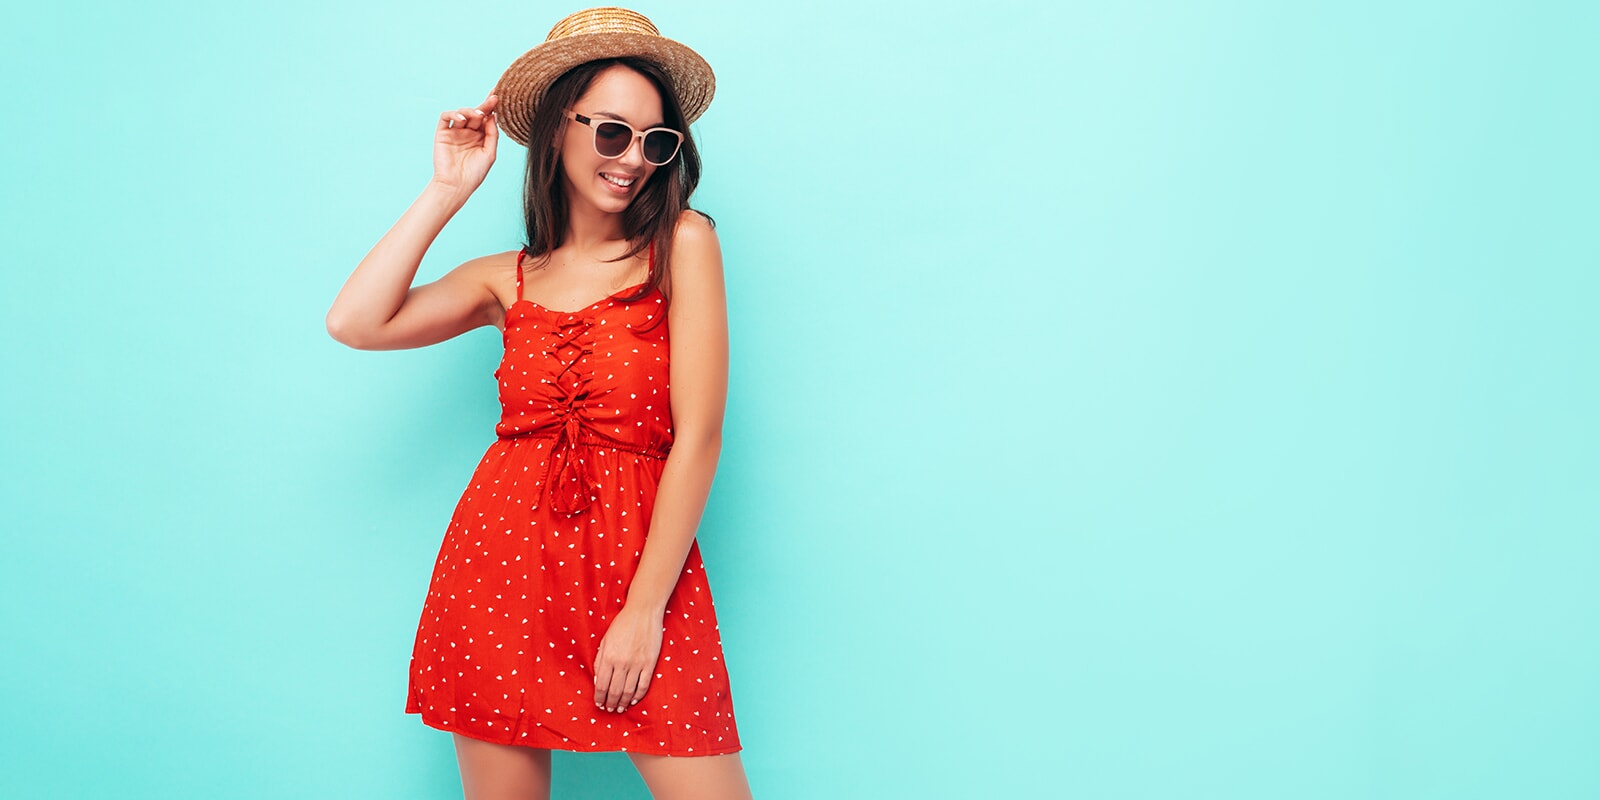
492 771
693 777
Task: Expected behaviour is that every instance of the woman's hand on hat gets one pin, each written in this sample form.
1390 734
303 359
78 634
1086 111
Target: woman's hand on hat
464 145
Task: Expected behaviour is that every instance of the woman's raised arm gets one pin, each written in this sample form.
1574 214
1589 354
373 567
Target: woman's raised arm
377 309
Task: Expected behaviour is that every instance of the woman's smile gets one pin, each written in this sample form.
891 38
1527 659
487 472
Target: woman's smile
618 184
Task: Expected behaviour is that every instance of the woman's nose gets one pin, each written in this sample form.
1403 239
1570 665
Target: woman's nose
634 155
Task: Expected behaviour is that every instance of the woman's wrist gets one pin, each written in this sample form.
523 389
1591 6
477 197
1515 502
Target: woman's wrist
447 192
645 607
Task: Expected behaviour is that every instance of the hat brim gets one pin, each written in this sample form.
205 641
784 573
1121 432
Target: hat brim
523 84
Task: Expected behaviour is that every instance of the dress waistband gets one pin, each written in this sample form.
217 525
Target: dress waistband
567 484
587 438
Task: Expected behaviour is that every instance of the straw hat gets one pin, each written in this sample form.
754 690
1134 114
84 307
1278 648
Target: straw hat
594 33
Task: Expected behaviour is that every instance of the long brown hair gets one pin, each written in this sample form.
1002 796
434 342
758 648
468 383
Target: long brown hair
653 214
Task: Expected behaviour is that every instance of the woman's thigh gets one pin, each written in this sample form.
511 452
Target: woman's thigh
492 771
693 777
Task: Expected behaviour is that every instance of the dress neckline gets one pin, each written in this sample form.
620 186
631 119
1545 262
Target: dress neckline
610 298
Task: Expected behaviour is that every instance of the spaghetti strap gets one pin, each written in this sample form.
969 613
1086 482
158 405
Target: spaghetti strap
652 254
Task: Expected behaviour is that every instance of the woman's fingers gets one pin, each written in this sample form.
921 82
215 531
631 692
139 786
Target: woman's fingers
474 118
477 117
630 689
616 688
604 677
451 120
491 134
613 699
644 684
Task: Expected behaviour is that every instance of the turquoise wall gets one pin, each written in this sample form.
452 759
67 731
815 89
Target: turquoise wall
1129 400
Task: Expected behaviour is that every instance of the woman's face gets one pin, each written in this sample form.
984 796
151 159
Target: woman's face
617 93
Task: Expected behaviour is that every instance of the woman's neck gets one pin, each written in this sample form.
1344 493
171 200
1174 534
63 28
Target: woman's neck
591 229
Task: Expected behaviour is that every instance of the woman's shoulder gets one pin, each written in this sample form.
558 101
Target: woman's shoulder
695 239
696 253
494 269
504 258
495 272
694 222
492 262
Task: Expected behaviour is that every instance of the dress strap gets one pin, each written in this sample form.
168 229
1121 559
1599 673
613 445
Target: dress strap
652 254
519 273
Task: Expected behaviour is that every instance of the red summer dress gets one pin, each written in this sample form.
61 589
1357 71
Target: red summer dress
544 543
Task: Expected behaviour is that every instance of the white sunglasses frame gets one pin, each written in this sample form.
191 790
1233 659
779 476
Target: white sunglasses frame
638 136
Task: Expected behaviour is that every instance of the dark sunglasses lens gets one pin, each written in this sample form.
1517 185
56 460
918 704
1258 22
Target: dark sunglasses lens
611 139
659 146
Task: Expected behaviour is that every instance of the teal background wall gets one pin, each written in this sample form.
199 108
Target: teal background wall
1129 400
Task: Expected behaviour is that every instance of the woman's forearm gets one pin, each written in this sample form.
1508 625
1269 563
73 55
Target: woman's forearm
378 287
680 502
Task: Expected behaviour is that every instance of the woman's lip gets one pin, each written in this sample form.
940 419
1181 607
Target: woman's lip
621 190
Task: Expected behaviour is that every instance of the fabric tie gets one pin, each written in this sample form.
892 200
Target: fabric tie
567 482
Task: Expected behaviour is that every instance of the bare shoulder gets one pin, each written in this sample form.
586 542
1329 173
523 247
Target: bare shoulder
695 228
696 256
503 262
496 272
491 277
483 269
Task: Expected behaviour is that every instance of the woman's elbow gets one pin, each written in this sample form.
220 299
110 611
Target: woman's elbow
706 441
342 333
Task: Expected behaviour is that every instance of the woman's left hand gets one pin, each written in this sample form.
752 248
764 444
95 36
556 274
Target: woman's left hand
626 660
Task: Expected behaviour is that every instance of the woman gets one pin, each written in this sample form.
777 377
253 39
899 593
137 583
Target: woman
568 607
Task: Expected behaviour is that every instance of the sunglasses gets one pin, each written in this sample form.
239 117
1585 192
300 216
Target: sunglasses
612 138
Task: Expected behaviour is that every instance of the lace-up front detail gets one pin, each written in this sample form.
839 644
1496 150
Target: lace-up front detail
568 488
